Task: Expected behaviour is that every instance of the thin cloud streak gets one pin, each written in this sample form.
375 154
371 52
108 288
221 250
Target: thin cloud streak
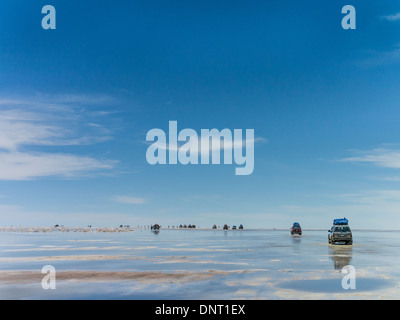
380 58
129 200
27 166
25 125
392 17
380 157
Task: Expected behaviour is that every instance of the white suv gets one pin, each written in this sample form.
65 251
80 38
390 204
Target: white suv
340 233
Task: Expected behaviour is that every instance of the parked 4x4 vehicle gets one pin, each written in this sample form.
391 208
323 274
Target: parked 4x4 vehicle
296 229
340 232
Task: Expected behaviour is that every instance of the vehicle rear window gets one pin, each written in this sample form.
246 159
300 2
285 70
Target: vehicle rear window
342 229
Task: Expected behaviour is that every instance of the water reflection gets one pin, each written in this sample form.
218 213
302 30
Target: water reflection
341 255
296 239
296 244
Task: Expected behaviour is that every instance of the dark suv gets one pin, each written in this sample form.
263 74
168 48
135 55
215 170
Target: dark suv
340 232
296 229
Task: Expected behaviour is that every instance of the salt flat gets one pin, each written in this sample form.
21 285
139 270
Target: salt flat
197 264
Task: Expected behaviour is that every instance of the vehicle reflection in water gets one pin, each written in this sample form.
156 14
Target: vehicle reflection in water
341 255
296 239
296 244
156 231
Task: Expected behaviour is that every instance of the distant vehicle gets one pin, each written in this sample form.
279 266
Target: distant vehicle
214 226
340 232
241 227
296 229
155 227
233 227
225 227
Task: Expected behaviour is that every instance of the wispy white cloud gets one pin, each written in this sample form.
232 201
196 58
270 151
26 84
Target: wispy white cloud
38 123
202 198
129 199
27 166
392 17
28 124
374 197
18 127
379 58
381 157
391 179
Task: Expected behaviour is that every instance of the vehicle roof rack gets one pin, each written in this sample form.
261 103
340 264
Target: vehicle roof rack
342 221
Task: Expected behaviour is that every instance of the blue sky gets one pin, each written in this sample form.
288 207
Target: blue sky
76 104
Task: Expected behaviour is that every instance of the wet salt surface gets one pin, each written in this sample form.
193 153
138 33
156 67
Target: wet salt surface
248 264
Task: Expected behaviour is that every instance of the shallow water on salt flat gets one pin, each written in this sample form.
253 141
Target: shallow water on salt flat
243 264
